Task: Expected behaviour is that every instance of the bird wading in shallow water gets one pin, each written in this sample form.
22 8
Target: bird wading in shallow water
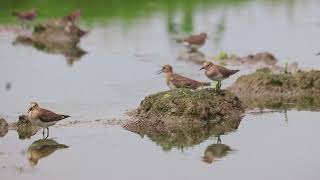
174 80
43 118
217 73
194 42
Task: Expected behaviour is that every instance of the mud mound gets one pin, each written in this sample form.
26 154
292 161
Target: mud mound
182 118
24 128
185 105
264 89
3 127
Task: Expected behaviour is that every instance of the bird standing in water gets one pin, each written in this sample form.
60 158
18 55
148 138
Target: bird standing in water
194 42
43 118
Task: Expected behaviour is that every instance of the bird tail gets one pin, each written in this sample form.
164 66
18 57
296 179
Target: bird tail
64 116
235 71
206 84
61 146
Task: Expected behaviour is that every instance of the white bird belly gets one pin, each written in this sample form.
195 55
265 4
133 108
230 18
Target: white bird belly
171 85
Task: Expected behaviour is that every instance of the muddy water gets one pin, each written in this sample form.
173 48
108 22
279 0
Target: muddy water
119 69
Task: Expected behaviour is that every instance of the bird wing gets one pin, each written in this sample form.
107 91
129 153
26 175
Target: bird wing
195 39
226 72
49 116
184 82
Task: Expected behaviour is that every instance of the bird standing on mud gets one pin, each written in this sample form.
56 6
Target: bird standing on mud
25 16
174 80
217 73
194 42
28 15
43 118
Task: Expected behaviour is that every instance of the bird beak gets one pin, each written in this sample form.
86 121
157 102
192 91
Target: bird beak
29 110
201 68
159 72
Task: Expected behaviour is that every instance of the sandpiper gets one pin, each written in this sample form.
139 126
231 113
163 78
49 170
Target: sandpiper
174 80
28 15
74 16
194 42
217 73
43 118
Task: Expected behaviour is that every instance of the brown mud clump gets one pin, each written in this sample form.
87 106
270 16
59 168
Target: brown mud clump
264 89
24 128
4 127
182 117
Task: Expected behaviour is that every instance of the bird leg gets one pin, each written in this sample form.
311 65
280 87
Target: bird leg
218 86
43 133
219 140
47 133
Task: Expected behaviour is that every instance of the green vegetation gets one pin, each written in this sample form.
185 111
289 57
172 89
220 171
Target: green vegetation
198 105
105 10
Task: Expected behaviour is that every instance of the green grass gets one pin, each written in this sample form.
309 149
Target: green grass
105 10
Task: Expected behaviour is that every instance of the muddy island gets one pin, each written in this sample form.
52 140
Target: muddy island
183 118
263 89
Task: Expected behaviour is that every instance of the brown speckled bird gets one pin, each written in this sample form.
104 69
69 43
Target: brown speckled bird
43 118
194 42
174 80
28 15
217 73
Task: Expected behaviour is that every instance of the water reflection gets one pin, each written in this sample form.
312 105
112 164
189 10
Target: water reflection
215 152
42 148
189 135
71 51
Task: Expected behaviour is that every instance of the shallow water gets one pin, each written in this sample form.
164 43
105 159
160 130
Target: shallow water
119 70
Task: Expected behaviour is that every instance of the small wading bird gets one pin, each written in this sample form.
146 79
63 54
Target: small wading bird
43 118
28 15
174 80
25 16
194 42
217 73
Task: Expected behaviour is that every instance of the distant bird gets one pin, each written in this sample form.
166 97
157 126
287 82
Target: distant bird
217 73
28 15
194 42
43 118
42 148
174 80
8 86
318 54
74 16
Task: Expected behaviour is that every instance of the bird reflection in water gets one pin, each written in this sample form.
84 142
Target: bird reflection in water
42 148
216 151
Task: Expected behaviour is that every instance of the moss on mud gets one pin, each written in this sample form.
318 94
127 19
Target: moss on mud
264 89
182 117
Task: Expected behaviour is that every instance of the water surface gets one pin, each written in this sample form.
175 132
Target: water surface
125 48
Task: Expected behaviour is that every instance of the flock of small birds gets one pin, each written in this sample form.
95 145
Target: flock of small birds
45 118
